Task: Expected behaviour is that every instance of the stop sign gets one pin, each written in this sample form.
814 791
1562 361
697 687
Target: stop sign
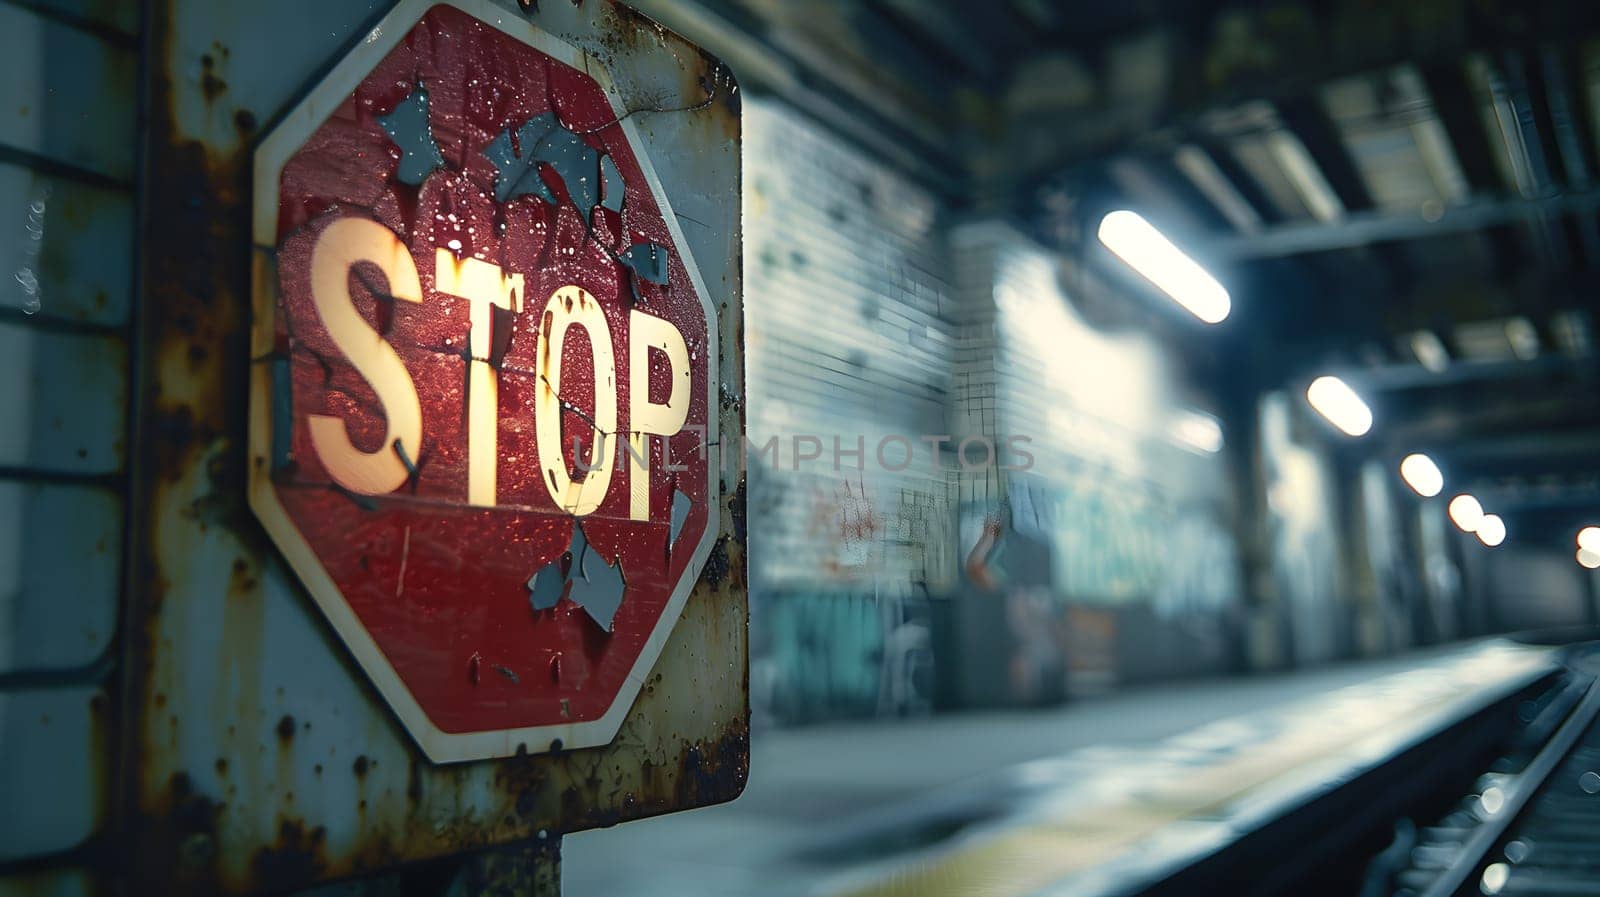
483 411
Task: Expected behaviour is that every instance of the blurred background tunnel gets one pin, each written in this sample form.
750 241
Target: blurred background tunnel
1400 196
991 466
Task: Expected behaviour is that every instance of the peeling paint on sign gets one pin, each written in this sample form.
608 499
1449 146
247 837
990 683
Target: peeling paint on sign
464 360
408 127
223 642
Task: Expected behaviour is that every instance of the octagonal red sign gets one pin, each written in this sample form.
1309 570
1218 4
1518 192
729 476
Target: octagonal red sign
483 404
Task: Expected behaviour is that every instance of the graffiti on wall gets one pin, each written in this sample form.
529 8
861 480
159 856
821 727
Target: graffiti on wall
831 654
845 521
1200 569
1303 535
1110 542
1062 556
833 529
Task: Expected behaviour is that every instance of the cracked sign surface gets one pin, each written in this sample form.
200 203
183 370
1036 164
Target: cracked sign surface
582 576
492 371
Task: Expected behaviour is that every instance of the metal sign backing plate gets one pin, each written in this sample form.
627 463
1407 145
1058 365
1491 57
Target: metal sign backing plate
265 753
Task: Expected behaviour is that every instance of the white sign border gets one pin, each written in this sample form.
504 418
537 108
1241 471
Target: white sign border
287 137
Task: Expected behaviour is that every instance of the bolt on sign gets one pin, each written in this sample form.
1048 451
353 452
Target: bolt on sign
485 404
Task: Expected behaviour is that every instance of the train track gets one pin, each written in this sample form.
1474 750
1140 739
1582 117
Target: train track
1530 825
1465 778
1505 801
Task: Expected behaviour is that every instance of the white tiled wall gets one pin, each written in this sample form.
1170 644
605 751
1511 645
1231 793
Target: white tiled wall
848 335
67 163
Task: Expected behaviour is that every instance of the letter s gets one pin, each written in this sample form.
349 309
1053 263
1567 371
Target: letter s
345 243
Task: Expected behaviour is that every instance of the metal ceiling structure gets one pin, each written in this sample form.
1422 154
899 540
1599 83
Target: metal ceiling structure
1406 193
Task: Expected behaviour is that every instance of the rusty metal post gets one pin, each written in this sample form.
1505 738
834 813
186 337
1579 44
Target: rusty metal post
524 869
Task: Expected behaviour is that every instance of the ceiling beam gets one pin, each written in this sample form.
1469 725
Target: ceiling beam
769 60
1458 113
1567 124
949 34
1407 377
1235 52
1378 226
1526 454
1561 496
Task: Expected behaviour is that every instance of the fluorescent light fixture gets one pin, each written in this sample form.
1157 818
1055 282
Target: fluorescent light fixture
1336 401
1306 176
1589 537
1491 530
1422 475
1149 252
1198 431
1524 339
1495 876
1466 512
1430 351
1589 559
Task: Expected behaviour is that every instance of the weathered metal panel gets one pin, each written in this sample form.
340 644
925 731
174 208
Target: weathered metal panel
117 15
261 757
60 574
53 882
70 94
52 767
65 403
66 235
66 251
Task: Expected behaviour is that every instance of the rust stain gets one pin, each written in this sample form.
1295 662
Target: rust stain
717 565
529 868
187 839
296 859
195 366
716 80
193 321
716 771
211 84
736 511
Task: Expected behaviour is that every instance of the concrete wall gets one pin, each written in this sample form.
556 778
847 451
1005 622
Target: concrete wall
1528 587
870 316
848 336
1113 557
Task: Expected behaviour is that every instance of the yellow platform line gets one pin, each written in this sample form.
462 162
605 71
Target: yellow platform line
1039 852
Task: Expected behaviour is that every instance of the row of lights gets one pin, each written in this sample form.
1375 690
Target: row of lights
1589 547
1425 479
1137 242
1423 476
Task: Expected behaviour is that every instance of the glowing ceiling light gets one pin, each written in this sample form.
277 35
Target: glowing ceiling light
1148 251
1495 876
1589 537
1491 530
1422 475
1430 351
1198 431
1336 401
1589 559
1466 512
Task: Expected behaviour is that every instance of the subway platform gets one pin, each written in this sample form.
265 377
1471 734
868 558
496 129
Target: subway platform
1101 796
